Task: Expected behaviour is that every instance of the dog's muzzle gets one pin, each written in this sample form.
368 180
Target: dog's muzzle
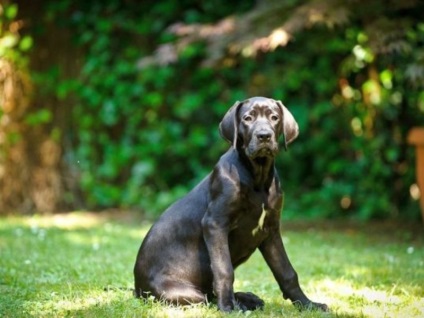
262 144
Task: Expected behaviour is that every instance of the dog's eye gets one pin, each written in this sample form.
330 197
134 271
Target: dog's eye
274 118
248 118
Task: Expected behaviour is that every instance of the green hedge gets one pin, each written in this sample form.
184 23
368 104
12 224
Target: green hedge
142 137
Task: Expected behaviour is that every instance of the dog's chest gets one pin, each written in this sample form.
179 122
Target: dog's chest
249 231
261 221
256 218
259 212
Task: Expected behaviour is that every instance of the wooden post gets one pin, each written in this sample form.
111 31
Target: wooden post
416 138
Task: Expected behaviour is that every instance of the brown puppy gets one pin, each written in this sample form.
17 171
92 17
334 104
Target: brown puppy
190 253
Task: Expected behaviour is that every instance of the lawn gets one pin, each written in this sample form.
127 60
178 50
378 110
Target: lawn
80 265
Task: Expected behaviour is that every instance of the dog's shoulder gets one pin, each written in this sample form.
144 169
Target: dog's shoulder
229 167
230 176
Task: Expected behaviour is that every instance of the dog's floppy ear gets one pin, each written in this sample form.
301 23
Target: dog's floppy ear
228 127
289 127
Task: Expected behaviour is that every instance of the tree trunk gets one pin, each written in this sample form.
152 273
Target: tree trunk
30 179
29 160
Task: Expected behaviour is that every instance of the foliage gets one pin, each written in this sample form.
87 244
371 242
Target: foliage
12 45
359 270
28 159
145 109
141 136
373 71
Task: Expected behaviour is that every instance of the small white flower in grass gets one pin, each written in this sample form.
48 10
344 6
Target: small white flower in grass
390 258
410 250
19 232
42 234
34 229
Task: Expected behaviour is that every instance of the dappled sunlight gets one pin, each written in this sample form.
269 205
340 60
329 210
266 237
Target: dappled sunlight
40 225
351 284
73 220
67 221
84 303
358 271
345 296
59 303
107 235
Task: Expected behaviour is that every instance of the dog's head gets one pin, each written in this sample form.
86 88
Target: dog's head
256 124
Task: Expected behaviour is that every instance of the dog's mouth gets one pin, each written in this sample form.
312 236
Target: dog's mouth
263 154
261 160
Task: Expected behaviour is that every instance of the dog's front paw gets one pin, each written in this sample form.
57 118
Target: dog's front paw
226 305
319 306
311 306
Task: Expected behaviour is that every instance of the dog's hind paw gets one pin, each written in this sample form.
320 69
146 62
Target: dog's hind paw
248 301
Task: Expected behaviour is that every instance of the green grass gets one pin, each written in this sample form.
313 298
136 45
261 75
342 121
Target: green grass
59 266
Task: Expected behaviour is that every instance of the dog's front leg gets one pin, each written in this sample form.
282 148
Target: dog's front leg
215 232
276 257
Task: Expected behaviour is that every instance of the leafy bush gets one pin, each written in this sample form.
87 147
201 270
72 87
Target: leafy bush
142 136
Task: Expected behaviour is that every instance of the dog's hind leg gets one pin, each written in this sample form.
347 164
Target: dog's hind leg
180 293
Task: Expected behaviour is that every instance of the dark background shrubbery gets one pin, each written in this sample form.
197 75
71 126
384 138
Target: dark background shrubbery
139 136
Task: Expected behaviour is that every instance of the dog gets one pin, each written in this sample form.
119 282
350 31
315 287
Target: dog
190 253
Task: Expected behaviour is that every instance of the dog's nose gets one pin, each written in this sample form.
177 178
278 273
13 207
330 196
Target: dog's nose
264 136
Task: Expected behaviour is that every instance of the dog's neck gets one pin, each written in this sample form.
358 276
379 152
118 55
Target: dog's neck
262 170
263 173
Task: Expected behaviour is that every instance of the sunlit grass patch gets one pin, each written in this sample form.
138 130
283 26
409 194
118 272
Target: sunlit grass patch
80 265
